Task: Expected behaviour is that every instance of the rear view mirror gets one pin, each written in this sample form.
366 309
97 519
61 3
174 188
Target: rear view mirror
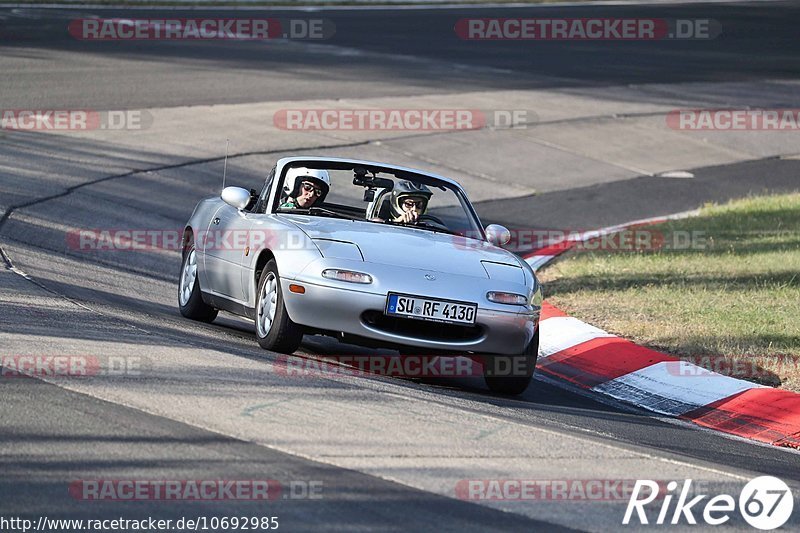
360 178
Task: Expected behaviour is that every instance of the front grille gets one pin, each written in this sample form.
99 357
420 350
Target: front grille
421 329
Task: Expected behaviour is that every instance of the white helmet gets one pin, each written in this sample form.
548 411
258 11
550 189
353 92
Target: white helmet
296 176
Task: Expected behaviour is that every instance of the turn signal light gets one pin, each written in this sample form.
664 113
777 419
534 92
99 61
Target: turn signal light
506 298
347 275
298 289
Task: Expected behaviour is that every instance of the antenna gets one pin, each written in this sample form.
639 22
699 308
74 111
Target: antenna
225 165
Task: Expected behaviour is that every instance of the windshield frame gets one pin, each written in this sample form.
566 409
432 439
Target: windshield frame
374 168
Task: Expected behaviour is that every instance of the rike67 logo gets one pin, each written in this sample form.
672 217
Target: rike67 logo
765 503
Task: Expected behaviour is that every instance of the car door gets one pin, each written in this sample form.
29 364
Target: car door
260 235
226 240
230 238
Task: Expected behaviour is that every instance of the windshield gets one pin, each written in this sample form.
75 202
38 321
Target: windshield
377 197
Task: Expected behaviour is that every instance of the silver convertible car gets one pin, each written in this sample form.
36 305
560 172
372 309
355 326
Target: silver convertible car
371 254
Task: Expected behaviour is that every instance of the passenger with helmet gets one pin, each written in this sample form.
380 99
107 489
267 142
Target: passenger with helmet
305 187
408 202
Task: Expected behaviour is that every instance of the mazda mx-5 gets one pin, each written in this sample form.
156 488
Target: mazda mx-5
370 253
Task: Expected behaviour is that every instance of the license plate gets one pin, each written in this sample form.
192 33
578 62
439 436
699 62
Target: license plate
431 309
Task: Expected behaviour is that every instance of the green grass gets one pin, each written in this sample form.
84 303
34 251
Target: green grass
734 304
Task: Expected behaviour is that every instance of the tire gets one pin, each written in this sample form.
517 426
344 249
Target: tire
190 301
274 329
499 370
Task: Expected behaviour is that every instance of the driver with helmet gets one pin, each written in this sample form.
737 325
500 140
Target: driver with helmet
305 187
408 202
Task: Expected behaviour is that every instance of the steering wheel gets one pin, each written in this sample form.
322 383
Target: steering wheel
432 219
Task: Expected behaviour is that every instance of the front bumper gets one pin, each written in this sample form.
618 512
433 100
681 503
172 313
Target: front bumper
358 310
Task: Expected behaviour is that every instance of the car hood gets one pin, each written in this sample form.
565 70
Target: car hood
405 246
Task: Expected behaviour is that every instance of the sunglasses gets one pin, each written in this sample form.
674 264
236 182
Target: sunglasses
311 188
413 203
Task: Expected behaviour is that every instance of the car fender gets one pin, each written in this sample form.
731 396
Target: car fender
291 248
198 225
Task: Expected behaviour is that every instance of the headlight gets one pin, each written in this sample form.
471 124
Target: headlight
347 275
509 298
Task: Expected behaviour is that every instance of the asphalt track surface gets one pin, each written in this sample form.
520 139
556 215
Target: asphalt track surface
757 43
52 436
